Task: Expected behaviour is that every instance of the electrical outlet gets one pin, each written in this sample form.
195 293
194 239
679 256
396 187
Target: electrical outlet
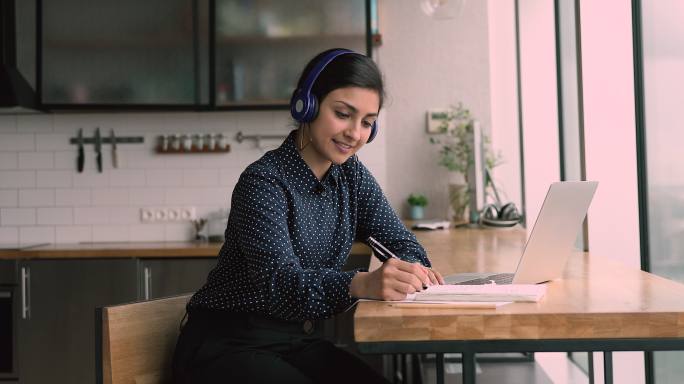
187 213
160 214
156 214
172 214
146 215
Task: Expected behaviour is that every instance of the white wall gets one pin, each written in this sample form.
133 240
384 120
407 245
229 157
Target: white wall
44 199
504 99
428 63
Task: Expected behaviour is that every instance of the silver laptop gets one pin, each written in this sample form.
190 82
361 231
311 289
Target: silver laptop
551 241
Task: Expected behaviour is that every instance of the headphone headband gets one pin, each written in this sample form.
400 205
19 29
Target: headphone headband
304 105
318 68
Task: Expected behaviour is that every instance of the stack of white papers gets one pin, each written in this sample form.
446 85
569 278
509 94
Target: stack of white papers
486 292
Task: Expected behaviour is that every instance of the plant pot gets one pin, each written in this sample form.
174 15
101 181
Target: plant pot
417 212
458 201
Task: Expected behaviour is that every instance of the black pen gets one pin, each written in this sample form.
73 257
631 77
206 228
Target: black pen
381 252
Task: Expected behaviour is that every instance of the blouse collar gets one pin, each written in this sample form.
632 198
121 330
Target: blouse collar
298 173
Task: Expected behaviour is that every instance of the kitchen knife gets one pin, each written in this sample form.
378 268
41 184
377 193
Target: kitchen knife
98 149
115 156
80 160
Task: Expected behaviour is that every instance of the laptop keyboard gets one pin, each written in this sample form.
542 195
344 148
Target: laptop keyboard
499 278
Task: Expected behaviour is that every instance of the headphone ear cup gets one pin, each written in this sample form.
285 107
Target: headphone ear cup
311 109
303 107
297 106
374 132
509 212
490 212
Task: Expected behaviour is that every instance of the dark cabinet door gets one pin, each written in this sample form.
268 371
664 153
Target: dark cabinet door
262 46
9 310
124 52
56 342
168 277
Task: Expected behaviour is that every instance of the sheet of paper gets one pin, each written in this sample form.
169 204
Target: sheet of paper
409 302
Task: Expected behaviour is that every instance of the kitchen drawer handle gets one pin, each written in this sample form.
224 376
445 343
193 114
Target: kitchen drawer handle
148 279
25 293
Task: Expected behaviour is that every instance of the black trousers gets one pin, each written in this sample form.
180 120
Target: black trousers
219 347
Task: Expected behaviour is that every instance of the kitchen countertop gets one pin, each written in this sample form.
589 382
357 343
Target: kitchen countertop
115 250
125 250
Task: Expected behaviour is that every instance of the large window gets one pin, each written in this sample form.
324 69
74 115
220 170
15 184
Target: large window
663 60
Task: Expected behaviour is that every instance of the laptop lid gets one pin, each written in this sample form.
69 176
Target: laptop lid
552 239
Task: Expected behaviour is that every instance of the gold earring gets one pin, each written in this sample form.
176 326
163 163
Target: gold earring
301 139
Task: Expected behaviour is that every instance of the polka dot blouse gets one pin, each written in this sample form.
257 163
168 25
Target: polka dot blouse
289 235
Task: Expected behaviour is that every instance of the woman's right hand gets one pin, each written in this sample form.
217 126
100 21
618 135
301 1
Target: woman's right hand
392 281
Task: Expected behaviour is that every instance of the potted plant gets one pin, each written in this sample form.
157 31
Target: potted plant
417 203
456 154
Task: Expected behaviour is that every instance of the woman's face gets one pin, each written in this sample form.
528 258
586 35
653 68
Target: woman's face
343 125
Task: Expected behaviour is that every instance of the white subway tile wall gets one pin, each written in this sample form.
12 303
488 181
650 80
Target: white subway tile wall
8 160
44 199
36 160
17 216
9 198
73 234
8 124
112 196
54 179
9 234
15 142
73 197
91 215
111 233
17 179
37 198
42 234
55 216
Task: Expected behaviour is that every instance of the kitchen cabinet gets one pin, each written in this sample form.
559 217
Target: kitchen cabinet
9 304
168 277
56 335
188 54
124 53
261 47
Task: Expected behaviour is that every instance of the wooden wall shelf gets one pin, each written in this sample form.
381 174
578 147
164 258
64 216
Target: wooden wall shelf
217 149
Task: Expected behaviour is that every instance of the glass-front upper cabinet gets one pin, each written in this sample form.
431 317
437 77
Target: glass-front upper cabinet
262 45
125 52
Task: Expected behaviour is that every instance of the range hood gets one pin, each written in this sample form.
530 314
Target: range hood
16 94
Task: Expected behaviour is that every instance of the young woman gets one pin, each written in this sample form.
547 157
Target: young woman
294 215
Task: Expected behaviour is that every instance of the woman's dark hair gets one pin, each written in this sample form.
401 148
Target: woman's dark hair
348 70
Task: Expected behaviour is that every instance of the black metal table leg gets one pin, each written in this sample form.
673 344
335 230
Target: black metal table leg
404 368
608 367
417 376
468 361
439 368
590 360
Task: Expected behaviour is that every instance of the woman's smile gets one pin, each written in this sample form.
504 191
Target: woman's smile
342 147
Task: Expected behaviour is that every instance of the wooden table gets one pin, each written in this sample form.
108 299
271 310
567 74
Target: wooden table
598 305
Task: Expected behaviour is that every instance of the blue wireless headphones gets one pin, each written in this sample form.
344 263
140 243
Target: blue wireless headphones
304 105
